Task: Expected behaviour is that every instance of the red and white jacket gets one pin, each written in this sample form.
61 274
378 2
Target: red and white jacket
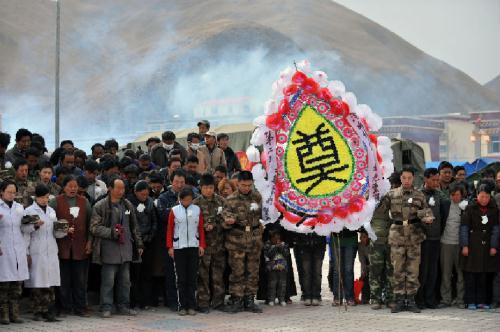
185 227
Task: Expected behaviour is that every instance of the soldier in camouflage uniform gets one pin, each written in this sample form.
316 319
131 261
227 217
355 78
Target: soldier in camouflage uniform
380 260
243 241
213 262
407 209
25 188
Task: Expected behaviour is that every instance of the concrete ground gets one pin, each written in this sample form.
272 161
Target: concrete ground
294 317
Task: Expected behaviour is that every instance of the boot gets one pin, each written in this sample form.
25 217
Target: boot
412 306
235 305
14 313
398 306
4 314
250 304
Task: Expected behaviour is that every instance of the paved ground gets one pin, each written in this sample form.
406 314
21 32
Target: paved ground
294 317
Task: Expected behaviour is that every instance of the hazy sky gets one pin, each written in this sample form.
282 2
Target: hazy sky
463 33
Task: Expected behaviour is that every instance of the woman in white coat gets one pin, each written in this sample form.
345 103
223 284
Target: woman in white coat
42 250
13 258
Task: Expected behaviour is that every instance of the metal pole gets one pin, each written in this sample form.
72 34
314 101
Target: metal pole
58 52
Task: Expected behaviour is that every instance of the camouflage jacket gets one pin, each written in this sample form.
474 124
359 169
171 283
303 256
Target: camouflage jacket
212 215
405 205
380 224
246 233
25 193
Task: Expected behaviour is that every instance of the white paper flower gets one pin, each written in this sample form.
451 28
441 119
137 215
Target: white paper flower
190 213
463 204
254 206
8 165
141 207
432 201
484 220
127 212
410 200
74 211
155 202
219 210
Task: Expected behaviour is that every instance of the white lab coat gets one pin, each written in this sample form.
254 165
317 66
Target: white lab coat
13 262
42 247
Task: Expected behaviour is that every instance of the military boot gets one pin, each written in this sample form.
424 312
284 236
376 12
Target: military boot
235 305
14 313
250 304
399 305
412 306
4 314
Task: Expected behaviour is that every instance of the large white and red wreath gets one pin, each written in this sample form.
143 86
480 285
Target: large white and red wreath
322 167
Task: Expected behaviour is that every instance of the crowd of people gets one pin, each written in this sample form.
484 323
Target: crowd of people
180 226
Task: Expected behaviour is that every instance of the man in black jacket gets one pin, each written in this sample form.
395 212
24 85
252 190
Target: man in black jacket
429 259
232 161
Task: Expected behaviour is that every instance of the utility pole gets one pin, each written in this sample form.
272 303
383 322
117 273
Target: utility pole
58 53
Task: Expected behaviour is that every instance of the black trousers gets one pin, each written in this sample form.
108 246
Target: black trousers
142 281
478 287
429 270
73 291
186 269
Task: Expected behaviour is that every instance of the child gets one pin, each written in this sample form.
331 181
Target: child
185 242
42 249
479 239
363 250
213 262
276 254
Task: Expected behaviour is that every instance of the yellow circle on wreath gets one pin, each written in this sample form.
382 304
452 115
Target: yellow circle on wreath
318 159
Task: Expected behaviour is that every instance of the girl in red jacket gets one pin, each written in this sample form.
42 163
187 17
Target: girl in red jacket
185 243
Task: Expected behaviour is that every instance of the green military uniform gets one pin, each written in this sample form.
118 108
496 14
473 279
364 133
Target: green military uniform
380 259
405 207
43 299
213 262
10 293
25 191
243 241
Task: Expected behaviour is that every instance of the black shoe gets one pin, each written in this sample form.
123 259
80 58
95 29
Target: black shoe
38 317
204 310
250 304
50 317
235 305
430 306
398 307
412 307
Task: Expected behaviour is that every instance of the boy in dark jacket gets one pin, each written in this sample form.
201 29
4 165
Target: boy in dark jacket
276 254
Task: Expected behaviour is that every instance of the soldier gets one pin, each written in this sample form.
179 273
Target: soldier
381 271
407 209
380 261
212 263
243 241
4 143
24 187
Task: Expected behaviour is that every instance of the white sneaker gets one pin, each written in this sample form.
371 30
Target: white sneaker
283 304
315 302
271 303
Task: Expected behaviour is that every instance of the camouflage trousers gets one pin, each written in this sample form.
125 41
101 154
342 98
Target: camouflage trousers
405 261
211 279
381 272
244 277
10 292
42 299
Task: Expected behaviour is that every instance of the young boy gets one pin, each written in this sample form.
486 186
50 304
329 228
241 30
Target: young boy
186 243
212 264
276 253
